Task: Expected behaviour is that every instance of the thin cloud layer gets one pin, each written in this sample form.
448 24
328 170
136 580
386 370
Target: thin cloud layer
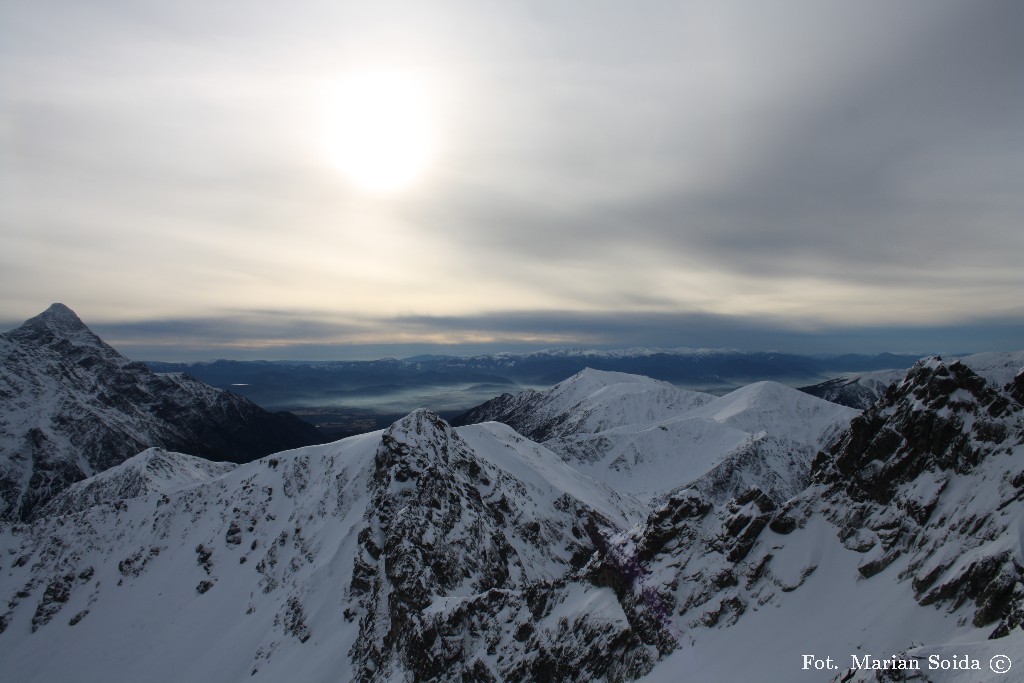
605 174
284 335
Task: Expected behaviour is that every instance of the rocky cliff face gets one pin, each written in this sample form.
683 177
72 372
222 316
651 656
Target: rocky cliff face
914 513
462 566
72 406
931 477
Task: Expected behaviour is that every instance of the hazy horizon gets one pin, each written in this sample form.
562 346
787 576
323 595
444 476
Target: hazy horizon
950 341
182 341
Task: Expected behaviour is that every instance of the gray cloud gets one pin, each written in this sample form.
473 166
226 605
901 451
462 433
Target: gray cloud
867 175
158 159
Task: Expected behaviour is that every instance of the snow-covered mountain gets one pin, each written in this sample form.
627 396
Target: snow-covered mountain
858 391
71 406
154 470
647 437
412 553
908 543
588 402
997 368
426 552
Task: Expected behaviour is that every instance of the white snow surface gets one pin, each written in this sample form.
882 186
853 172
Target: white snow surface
645 437
154 470
543 471
779 410
144 618
595 400
998 368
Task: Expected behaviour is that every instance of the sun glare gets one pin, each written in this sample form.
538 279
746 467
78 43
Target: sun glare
380 132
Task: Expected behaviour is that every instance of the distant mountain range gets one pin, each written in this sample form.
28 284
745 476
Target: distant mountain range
71 407
450 383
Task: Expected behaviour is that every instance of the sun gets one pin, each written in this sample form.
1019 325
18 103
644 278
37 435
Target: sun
379 132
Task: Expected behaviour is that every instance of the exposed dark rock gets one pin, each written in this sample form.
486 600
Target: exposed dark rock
84 408
136 563
234 534
295 620
204 557
58 592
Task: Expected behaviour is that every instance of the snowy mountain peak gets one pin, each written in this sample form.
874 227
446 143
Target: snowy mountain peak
589 401
59 313
998 368
937 384
427 552
57 316
780 410
645 437
420 425
59 331
419 442
942 416
57 320
931 480
587 381
72 406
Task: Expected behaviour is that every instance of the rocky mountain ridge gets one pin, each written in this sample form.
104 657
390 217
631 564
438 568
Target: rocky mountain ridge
917 509
71 406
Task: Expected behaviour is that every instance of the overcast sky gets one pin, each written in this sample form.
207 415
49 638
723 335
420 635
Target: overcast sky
797 175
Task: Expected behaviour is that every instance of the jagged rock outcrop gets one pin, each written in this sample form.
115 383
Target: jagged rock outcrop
924 492
932 473
455 559
72 406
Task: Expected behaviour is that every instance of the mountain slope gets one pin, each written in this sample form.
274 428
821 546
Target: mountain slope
910 533
154 470
72 406
860 390
857 391
645 437
411 552
590 401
